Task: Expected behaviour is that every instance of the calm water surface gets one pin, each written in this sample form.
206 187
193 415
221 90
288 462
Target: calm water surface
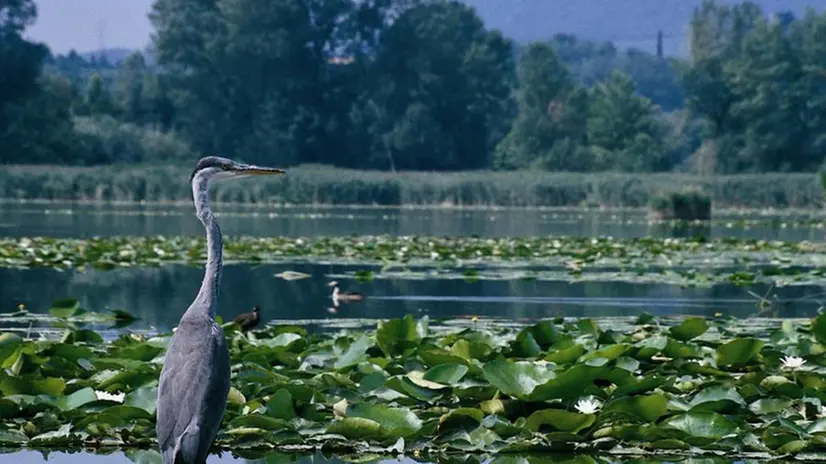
84 220
159 295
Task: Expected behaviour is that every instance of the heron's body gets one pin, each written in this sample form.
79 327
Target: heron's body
195 380
192 395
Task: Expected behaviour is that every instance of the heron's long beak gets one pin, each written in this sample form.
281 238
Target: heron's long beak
251 170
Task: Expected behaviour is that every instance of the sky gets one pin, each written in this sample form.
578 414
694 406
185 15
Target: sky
87 25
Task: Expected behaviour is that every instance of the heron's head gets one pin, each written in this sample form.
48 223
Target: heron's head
332 283
216 167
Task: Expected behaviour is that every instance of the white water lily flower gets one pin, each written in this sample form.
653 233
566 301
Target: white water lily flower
102 395
588 406
792 362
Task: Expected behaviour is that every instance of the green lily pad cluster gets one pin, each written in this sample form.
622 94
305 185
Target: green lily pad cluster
694 260
687 385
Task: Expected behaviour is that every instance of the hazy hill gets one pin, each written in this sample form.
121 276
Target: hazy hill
628 23
112 55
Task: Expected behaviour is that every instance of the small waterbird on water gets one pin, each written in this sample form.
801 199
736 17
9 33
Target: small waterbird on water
195 379
250 320
339 296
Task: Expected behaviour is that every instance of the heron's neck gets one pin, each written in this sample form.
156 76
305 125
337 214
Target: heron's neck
206 302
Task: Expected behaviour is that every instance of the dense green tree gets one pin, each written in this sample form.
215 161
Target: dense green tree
442 99
591 62
40 129
422 85
97 98
749 78
624 129
550 130
252 77
34 112
129 89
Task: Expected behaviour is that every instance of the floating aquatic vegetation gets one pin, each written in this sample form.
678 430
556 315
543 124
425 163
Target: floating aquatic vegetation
687 261
646 386
292 275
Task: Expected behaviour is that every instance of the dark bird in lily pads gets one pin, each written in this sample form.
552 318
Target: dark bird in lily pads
250 320
194 383
344 297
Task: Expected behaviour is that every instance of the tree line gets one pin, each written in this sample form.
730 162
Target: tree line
418 85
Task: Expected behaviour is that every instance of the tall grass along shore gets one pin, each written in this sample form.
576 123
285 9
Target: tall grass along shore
333 186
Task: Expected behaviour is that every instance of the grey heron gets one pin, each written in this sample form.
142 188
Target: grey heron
195 379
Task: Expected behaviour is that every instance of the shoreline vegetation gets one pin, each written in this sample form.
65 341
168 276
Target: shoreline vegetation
323 185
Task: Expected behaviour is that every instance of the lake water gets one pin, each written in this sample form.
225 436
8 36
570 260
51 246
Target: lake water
159 295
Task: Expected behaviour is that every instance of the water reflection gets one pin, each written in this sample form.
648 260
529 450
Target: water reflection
160 295
84 220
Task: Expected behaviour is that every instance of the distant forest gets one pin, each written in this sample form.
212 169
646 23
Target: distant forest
419 85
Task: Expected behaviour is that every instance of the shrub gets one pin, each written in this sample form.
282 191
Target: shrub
687 205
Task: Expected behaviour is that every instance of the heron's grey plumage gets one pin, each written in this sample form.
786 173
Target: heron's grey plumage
195 380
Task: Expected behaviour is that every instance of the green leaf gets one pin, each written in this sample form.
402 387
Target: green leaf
568 384
566 355
355 353
397 335
559 419
738 351
144 398
701 424
396 422
13 437
516 379
640 385
819 328
357 428
648 408
8 408
610 352
260 422
281 406
718 399
9 343
770 405
691 327
466 419
138 352
818 426
127 412
446 374
75 400
65 308
49 386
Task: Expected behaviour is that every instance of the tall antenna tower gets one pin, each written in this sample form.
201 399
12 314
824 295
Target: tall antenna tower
101 28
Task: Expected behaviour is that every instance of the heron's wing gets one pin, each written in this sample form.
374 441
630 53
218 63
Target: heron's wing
193 386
